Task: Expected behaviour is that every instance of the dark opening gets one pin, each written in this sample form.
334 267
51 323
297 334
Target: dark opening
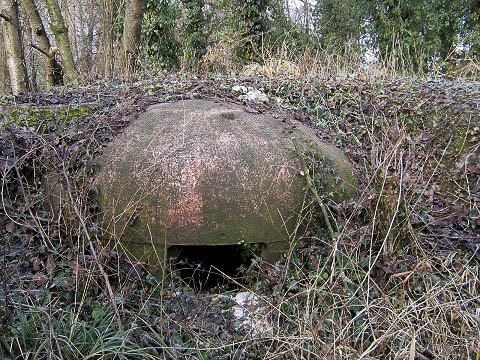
207 267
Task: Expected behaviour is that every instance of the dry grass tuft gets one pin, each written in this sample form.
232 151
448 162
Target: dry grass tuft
220 57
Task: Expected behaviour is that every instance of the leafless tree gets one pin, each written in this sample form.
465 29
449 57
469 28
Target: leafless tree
13 45
57 23
54 71
108 18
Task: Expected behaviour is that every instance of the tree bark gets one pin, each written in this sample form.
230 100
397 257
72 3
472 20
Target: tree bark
33 61
108 38
131 32
54 70
57 23
4 75
13 45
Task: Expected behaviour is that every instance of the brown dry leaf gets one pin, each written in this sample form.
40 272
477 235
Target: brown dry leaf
418 138
74 265
40 279
429 194
474 169
10 227
65 285
36 264
50 265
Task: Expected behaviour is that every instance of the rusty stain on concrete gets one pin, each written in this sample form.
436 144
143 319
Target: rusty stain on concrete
189 206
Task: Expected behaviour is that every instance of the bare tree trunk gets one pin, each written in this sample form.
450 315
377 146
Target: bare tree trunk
13 45
108 38
131 32
71 20
87 38
4 76
30 56
54 70
57 23
81 41
88 47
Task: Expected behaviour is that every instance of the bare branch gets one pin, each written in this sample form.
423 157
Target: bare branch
41 50
312 188
92 249
4 16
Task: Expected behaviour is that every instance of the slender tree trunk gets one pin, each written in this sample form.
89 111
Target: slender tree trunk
4 75
57 23
70 22
54 70
108 38
88 47
131 32
33 67
13 45
90 14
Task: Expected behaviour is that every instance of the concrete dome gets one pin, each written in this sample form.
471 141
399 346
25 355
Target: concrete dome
203 173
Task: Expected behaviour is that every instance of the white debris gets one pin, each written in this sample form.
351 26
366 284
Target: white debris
252 314
254 95
240 88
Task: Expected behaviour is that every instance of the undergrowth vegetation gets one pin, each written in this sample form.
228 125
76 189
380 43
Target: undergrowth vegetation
397 278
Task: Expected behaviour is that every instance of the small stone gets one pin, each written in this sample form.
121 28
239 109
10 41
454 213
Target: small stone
240 88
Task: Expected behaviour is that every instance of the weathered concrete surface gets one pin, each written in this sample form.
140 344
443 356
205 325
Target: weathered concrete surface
203 173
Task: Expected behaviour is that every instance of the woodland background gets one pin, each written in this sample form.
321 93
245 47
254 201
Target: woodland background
52 42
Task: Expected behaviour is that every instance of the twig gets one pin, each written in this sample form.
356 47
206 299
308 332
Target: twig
311 187
94 253
27 202
41 50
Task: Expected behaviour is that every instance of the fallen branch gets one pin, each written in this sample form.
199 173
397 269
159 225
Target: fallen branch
311 187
